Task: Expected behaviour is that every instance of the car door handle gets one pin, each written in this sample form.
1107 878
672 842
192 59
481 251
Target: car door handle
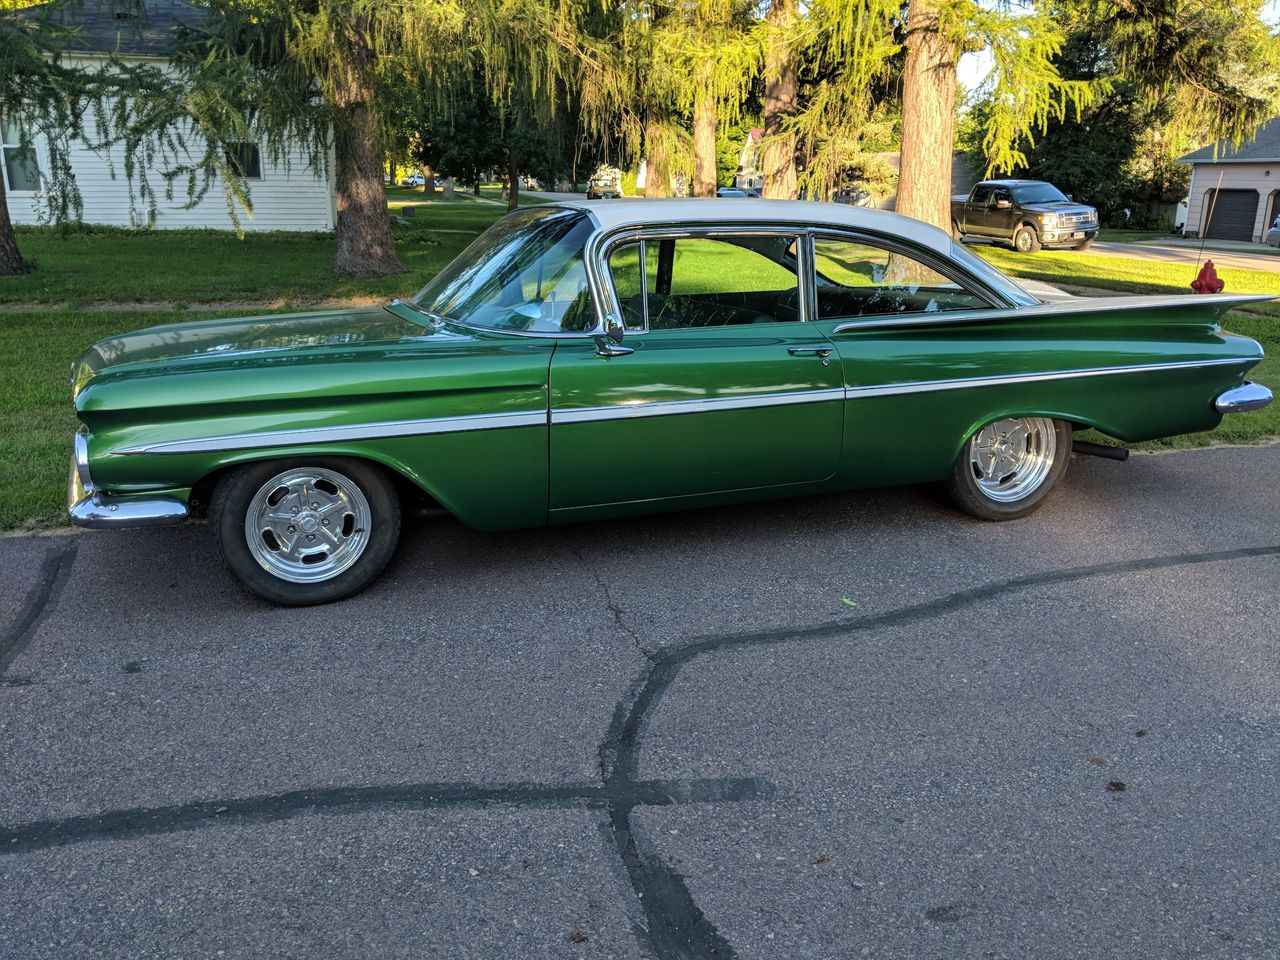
822 352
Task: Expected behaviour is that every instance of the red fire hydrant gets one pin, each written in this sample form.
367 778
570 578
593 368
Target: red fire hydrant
1207 280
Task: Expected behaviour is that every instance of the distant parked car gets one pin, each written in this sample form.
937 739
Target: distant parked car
605 183
1028 214
414 180
856 196
735 192
1273 235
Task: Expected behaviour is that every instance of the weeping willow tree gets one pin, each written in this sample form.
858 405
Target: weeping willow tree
849 50
704 58
325 62
654 79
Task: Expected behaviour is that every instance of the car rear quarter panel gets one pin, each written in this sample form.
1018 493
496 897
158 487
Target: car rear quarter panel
907 437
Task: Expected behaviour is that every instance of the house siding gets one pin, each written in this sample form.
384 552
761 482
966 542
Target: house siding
1264 177
289 196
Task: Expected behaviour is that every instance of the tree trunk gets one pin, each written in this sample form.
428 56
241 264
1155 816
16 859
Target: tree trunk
428 181
475 188
657 174
366 247
782 83
11 262
928 118
448 188
513 178
704 135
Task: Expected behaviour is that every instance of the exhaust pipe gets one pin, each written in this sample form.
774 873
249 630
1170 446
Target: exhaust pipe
1087 449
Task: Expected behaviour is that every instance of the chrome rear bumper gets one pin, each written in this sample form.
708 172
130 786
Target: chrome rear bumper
1247 396
89 508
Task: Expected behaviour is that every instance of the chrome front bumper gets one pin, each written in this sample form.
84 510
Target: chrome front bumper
1248 396
89 508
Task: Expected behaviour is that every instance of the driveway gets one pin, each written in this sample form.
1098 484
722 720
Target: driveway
668 737
1189 254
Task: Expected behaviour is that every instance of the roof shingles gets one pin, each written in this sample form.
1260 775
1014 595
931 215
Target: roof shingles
1263 148
146 29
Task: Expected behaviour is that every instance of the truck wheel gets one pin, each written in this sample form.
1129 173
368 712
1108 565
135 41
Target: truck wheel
956 235
1084 244
1026 240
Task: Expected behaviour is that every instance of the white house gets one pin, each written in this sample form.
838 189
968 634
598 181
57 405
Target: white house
297 198
1235 193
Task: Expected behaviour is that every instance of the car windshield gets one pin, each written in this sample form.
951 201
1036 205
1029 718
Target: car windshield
1039 193
525 272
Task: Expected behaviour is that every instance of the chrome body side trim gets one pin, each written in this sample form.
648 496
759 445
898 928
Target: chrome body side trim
965 383
659 408
89 508
665 408
346 432
1044 310
1241 399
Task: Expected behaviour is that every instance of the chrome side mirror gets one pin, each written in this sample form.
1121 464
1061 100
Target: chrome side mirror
608 344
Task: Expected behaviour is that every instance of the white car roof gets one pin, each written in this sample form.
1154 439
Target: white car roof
640 212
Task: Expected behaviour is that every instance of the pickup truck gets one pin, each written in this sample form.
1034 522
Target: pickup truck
1028 214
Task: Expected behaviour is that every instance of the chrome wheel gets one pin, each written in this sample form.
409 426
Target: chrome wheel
307 524
1010 459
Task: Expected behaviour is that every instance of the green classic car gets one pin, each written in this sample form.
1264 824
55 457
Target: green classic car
583 362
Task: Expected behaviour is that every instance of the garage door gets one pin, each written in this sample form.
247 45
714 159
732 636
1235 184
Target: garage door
1231 216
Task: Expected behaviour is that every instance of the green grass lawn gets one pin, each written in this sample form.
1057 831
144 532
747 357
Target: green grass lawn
1118 235
1122 274
36 350
209 266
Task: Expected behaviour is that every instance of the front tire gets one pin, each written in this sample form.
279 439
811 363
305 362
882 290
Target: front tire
308 530
1009 467
1026 240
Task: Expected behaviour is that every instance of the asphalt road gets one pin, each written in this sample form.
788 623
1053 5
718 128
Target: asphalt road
667 737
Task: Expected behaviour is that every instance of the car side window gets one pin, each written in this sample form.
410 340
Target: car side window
981 195
859 279
998 195
707 281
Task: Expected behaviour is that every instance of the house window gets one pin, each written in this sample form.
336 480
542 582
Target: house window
21 173
245 160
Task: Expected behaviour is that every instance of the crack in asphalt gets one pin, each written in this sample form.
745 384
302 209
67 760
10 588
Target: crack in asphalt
55 570
619 615
677 928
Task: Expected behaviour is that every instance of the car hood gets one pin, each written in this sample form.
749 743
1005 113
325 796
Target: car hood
245 337
269 359
1057 206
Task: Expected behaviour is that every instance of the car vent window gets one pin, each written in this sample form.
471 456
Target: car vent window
858 279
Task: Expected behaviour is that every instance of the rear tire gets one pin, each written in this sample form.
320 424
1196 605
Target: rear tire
1026 240
956 235
306 530
1008 468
